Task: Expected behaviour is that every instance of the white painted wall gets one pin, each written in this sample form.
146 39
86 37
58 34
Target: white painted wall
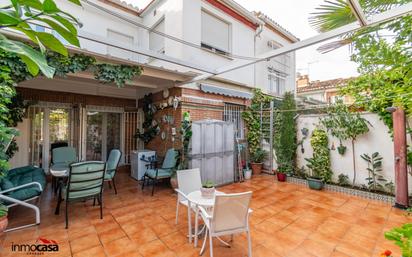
261 73
376 140
22 157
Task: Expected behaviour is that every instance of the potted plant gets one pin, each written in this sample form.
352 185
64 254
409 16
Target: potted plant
281 175
3 218
341 149
257 159
185 135
319 164
208 189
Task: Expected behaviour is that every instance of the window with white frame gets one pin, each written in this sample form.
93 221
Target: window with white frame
156 41
277 83
122 38
215 33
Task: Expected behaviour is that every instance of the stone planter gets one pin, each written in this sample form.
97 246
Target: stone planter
3 224
208 192
315 184
256 168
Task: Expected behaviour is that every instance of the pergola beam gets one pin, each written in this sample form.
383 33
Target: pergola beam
373 21
358 12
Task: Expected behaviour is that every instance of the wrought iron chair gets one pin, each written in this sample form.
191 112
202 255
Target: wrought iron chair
154 174
111 166
85 182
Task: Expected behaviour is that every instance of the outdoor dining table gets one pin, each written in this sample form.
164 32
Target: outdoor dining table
59 172
196 199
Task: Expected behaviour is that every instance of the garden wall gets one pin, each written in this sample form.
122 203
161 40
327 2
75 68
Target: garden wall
376 140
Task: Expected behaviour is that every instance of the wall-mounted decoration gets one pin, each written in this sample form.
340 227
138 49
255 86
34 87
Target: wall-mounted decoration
165 93
163 135
175 102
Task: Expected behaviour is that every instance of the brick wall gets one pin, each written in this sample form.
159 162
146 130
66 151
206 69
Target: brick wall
63 97
199 104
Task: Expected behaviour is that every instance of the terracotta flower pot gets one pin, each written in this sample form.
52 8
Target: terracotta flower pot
173 182
256 168
281 177
3 224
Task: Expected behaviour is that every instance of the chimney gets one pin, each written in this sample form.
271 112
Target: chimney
302 81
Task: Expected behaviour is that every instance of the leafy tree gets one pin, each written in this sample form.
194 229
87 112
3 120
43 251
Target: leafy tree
285 134
383 53
345 125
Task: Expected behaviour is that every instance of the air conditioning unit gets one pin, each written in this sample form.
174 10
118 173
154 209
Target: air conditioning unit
139 160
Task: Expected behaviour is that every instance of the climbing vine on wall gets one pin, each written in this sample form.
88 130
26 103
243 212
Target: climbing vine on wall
150 127
13 71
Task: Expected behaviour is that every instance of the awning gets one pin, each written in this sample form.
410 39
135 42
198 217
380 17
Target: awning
225 91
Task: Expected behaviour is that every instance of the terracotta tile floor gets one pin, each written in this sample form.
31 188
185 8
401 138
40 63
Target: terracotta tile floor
288 220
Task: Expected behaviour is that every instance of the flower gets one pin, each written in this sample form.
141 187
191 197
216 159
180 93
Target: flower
386 253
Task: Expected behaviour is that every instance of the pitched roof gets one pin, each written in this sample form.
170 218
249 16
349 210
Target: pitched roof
277 27
323 85
122 5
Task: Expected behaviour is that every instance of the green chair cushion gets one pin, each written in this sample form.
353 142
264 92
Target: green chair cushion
6 184
109 175
170 159
25 175
162 173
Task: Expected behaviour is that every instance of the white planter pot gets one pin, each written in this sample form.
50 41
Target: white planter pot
208 192
248 174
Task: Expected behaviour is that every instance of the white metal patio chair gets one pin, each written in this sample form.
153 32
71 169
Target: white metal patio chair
188 181
230 215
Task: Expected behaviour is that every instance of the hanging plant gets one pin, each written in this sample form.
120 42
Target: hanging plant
70 64
150 126
118 74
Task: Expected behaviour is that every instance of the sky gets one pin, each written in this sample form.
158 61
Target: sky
293 15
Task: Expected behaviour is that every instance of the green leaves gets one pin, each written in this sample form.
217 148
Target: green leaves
319 164
45 12
118 74
402 237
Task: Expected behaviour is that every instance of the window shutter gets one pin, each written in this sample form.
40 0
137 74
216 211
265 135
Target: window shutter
215 32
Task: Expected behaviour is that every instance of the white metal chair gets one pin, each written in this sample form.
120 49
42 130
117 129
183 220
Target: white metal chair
188 181
230 215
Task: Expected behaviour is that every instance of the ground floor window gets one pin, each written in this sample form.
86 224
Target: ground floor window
233 113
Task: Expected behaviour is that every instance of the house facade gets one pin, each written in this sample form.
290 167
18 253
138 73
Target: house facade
326 91
173 41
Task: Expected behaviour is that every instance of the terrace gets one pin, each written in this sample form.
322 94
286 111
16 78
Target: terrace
287 220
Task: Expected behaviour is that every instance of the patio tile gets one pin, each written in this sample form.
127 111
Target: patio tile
287 220
83 243
97 251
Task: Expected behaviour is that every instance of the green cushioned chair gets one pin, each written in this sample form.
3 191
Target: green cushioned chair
111 166
62 157
85 181
154 174
21 185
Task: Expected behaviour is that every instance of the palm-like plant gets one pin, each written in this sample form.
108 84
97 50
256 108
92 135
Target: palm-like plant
333 14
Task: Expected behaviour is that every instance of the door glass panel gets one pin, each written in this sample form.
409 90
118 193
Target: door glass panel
59 128
113 132
94 136
36 116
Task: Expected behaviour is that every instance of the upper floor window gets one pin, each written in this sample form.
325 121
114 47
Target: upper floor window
122 38
277 83
215 33
156 41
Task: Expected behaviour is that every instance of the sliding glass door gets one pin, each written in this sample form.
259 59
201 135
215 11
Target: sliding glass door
103 133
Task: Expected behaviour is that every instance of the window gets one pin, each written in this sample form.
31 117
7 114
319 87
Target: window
215 33
119 37
156 41
276 83
233 113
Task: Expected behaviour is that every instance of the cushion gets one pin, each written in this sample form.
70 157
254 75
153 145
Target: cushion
109 175
162 173
6 184
20 178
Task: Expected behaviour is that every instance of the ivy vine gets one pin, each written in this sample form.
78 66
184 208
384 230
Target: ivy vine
13 71
150 128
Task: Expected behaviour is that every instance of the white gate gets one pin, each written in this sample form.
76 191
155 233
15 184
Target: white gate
212 150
